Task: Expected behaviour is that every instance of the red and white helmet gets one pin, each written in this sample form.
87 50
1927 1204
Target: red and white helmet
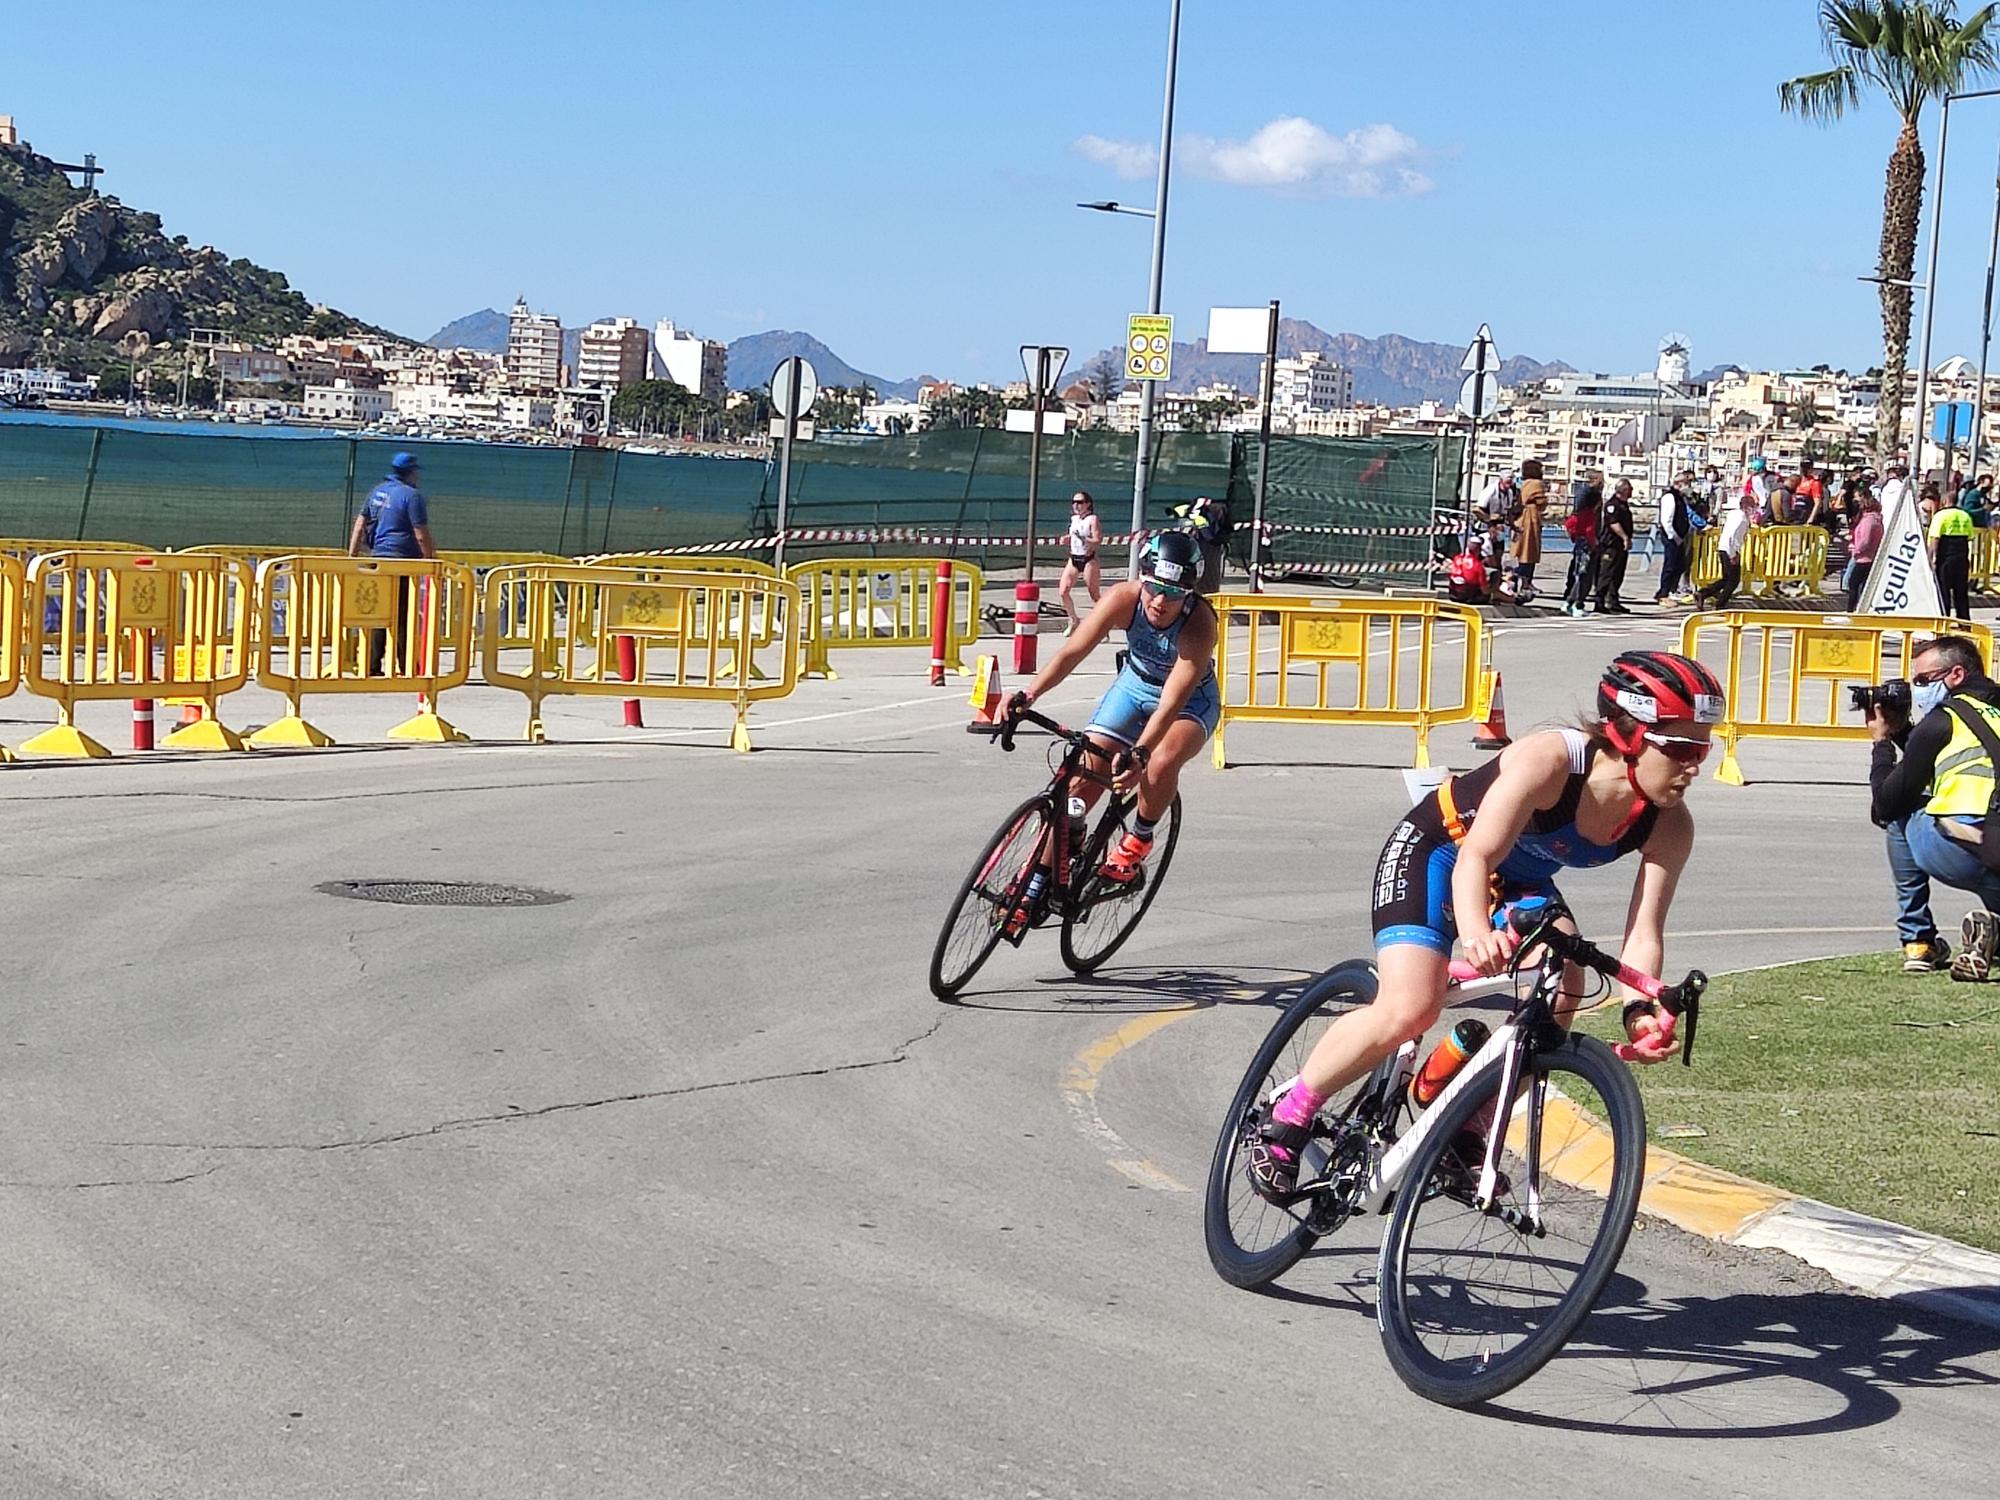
1654 687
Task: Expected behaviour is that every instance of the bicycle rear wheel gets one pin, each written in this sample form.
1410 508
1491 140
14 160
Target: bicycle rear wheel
973 926
1472 1304
1100 914
1252 1241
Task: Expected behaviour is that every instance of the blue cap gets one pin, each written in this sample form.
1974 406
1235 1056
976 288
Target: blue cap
402 463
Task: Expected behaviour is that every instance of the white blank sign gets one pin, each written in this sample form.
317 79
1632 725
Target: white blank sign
1238 330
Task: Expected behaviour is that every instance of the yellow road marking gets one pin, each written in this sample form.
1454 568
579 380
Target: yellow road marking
1079 1089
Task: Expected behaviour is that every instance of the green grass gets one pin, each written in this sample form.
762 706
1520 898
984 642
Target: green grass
1843 1080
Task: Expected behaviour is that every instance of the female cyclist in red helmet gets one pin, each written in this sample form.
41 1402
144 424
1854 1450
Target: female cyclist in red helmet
1564 799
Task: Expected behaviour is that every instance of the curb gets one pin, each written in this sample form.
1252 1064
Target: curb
1871 1255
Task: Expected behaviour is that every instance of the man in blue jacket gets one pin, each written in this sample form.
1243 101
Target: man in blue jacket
394 523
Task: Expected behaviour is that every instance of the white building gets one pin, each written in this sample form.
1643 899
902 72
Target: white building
614 352
1310 382
341 402
691 362
894 416
57 384
534 349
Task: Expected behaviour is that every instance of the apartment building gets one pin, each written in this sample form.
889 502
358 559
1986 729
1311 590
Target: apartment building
346 403
691 362
1308 382
534 349
614 352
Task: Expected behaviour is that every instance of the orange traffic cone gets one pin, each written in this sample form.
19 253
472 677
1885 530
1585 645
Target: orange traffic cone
986 693
1492 735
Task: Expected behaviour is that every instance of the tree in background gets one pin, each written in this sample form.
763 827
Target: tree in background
1104 379
1908 51
838 407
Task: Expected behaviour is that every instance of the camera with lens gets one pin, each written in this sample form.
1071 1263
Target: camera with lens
1891 698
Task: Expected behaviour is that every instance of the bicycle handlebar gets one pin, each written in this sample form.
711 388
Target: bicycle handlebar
1679 1000
1008 725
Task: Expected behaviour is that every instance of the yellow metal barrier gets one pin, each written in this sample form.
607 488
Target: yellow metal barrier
1787 675
1338 661
512 604
852 602
728 563
13 589
1774 555
26 549
1705 558
347 611
1985 558
693 635
108 624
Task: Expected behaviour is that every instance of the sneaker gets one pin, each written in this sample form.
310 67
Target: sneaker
1974 962
1271 1159
1026 909
1926 955
1127 860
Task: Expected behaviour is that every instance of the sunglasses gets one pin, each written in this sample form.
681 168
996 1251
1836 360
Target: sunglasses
1679 748
1925 679
1164 590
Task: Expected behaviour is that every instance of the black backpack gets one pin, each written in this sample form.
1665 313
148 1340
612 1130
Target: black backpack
1989 837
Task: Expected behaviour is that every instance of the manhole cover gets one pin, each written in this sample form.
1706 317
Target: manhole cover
441 892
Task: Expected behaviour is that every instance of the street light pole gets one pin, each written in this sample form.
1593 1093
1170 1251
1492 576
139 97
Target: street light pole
1985 331
1140 467
1930 283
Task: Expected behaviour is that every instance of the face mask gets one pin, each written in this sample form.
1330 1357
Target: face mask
1926 696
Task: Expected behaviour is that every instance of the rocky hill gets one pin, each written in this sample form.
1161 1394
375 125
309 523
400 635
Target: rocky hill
78 271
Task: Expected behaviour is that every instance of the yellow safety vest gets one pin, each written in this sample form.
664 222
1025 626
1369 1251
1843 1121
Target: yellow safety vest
1962 781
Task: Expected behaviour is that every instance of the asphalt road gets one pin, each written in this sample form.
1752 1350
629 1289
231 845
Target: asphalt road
686 1186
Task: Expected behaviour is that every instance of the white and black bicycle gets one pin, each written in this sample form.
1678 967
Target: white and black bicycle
1504 1224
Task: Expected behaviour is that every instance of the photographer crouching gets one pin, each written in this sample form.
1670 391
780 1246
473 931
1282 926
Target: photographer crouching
1932 798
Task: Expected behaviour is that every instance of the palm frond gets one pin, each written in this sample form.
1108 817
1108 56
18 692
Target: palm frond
1821 97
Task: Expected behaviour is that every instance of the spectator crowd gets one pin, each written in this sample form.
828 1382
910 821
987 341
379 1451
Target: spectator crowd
1504 526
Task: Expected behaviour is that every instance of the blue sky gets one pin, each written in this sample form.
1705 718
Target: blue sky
898 178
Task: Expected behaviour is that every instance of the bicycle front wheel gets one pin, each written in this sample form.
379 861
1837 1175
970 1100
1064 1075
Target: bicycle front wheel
1473 1302
973 926
1101 913
1252 1241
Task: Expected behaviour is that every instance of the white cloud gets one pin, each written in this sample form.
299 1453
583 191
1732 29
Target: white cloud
1290 154
1126 158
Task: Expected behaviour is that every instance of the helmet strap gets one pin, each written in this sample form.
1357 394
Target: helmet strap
1640 801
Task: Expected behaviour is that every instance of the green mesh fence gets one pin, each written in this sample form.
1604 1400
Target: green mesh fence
175 490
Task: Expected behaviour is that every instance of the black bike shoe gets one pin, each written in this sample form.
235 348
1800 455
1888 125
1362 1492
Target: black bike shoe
1272 1157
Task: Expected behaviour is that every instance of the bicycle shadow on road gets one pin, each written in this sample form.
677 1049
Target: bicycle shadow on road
1744 1365
1137 990
1748 1365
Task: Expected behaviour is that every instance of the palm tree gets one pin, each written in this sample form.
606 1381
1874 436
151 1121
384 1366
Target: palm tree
1909 51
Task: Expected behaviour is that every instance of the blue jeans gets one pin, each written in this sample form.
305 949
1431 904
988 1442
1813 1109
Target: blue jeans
1944 858
1914 923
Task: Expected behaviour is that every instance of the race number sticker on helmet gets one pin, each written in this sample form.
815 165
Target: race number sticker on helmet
1709 708
1167 570
1641 707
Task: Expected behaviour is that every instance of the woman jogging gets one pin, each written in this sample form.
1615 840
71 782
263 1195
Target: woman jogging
1085 534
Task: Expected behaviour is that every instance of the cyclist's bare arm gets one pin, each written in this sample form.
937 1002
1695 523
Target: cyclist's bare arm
1112 609
1194 656
1532 774
1661 861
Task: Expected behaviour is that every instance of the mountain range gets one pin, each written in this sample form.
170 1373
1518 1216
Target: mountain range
1391 370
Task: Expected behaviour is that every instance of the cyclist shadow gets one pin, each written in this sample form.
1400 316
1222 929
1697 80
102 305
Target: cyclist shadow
1136 990
1741 1365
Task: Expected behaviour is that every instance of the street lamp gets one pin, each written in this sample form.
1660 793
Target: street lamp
1108 206
1930 281
1139 468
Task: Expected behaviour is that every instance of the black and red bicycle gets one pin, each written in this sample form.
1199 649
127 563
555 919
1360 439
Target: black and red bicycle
1053 829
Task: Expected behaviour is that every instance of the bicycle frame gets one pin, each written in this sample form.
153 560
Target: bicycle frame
1507 1049
1068 771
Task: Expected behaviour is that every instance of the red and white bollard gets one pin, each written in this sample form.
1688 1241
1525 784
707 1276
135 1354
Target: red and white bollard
628 671
940 620
1027 613
142 723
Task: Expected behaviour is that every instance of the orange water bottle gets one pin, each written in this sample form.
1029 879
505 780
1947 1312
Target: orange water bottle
1461 1042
